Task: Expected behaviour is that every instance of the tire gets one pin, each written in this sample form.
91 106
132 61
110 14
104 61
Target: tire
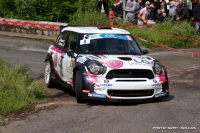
78 87
48 74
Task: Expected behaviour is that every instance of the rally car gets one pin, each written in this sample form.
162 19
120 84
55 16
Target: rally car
104 63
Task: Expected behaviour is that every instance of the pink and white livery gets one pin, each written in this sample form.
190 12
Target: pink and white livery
105 64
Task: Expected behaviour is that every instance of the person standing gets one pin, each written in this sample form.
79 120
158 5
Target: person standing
144 14
181 11
196 14
102 6
130 8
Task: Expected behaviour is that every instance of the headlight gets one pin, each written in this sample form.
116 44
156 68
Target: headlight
157 68
95 67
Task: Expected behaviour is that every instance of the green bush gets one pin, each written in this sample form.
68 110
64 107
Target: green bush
17 91
88 17
168 33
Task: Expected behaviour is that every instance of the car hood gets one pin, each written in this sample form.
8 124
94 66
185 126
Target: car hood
119 61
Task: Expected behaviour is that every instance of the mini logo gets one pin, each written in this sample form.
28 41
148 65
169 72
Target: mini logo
154 80
106 81
114 63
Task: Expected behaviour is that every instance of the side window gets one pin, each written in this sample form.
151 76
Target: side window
73 41
62 38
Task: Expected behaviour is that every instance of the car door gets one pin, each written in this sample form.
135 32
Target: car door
60 51
68 60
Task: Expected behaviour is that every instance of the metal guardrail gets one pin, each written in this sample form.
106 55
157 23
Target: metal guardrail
31 27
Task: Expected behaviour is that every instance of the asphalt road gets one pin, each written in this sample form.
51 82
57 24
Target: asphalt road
179 113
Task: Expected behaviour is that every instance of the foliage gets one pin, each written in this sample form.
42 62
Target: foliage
17 91
45 10
87 17
168 33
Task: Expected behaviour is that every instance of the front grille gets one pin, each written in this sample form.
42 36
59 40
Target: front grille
130 73
130 93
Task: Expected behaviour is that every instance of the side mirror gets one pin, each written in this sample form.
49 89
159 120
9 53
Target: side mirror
145 52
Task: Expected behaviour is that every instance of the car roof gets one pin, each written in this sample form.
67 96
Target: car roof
90 29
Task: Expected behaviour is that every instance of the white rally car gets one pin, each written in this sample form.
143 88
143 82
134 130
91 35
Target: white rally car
105 64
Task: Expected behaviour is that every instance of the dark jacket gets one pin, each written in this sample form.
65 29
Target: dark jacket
157 5
196 12
118 10
152 14
159 18
181 12
99 4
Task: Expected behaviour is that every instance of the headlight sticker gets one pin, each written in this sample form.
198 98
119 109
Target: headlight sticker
81 60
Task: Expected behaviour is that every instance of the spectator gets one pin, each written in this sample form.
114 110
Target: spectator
102 6
153 12
165 17
139 6
181 11
160 16
117 8
189 7
114 7
163 6
143 16
172 8
195 2
157 5
196 14
130 9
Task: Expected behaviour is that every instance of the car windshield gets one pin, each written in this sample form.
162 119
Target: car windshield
108 44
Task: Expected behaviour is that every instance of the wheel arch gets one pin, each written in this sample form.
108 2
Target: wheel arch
49 58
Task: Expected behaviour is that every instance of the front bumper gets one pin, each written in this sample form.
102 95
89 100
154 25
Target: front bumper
123 89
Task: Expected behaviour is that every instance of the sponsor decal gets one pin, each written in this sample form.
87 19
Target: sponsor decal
69 70
86 38
86 41
155 81
139 62
57 50
161 94
97 95
92 57
117 36
157 84
106 84
106 81
114 63
81 60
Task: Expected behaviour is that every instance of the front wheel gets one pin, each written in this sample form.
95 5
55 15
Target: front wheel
48 74
78 87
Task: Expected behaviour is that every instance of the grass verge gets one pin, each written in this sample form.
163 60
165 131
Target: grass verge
17 91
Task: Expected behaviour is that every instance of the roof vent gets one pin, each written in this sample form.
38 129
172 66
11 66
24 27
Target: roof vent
125 58
104 27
